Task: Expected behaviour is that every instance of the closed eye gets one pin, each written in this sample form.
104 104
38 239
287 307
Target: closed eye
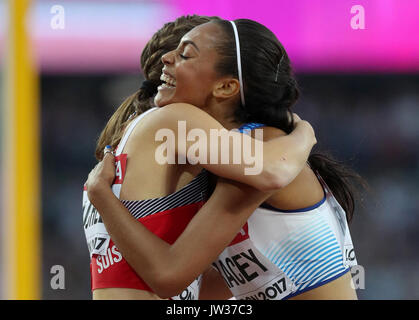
184 57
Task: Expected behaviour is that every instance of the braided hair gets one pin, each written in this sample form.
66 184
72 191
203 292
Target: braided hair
163 41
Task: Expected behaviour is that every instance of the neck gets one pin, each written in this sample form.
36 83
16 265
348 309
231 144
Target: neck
223 114
228 123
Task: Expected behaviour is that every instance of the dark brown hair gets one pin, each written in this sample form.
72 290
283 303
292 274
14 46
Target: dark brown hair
270 91
163 41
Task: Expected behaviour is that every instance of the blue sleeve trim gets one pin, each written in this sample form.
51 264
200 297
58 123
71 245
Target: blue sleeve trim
315 206
250 126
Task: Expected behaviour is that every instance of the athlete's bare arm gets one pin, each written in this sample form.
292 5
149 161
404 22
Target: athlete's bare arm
213 286
169 269
234 205
166 268
282 160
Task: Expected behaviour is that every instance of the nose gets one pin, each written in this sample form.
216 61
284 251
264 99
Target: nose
167 58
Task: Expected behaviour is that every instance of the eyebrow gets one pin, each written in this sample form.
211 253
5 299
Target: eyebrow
186 42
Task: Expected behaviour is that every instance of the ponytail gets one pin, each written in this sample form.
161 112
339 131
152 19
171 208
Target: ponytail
112 133
339 178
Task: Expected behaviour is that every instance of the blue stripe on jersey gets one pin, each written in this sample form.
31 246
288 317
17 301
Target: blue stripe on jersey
250 126
308 256
281 248
291 237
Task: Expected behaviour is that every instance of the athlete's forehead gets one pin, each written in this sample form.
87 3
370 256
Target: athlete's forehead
202 37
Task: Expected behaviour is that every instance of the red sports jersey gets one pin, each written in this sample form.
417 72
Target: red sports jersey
166 217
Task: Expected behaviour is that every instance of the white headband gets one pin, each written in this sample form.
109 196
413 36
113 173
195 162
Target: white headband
239 64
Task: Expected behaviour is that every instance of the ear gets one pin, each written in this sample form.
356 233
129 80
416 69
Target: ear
226 88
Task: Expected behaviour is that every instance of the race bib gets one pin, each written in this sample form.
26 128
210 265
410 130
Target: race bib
250 275
95 231
97 236
191 292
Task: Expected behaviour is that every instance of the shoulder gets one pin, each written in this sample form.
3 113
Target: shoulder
180 111
270 133
170 115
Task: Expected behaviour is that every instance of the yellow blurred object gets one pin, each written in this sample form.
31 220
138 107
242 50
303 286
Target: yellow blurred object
21 228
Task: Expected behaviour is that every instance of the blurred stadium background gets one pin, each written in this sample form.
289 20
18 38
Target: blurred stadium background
360 90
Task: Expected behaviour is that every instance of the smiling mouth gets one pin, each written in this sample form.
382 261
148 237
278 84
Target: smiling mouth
168 82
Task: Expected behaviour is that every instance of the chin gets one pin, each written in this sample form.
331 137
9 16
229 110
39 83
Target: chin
161 101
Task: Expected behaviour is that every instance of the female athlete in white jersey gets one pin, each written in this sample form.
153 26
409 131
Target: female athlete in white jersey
306 258
164 198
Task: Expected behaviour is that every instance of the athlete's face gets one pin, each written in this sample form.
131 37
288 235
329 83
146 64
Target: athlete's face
188 71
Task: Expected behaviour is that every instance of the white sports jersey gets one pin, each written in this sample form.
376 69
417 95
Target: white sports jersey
279 254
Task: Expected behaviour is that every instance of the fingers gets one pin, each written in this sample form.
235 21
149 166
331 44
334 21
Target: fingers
104 171
109 156
296 118
108 153
108 149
